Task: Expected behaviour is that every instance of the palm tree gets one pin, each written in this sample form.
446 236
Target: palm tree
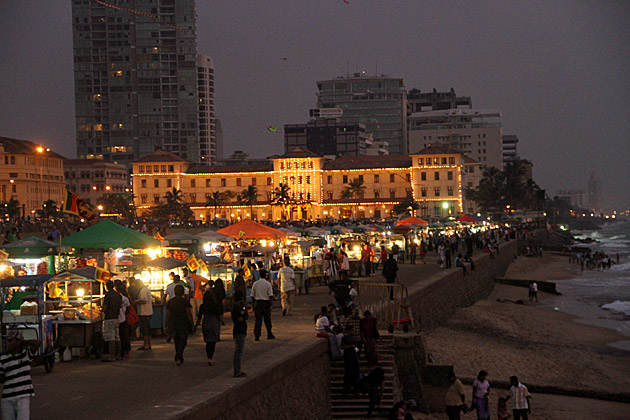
49 210
174 196
249 196
281 197
354 189
12 209
215 200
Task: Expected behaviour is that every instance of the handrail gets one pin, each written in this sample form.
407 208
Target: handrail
375 297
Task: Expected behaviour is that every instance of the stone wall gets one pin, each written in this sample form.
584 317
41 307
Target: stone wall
447 291
283 388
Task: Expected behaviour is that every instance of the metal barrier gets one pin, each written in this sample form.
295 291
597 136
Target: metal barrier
390 302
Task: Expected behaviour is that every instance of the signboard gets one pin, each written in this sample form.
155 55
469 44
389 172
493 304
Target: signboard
326 112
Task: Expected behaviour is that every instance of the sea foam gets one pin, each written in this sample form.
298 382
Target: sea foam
618 306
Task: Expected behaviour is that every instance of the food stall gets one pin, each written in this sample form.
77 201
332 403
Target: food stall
213 243
30 319
74 299
32 256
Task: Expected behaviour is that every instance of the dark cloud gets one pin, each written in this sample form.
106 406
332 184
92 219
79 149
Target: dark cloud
558 71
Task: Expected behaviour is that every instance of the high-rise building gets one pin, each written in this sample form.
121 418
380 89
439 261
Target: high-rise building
594 192
379 102
435 101
510 151
139 83
326 136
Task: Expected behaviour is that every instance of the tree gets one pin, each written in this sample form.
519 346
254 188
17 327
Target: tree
174 196
249 196
282 197
11 209
508 187
119 204
406 207
354 189
49 210
215 200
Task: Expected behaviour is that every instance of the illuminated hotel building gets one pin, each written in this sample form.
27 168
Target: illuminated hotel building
31 174
434 177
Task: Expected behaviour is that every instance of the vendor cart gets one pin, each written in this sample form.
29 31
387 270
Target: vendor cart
77 312
31 321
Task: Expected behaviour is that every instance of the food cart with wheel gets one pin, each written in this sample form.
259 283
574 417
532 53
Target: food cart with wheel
74 299
31 319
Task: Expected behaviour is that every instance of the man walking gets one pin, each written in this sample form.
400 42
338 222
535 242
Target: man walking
390 272
262 297
286 282
455 398
112 303
179 322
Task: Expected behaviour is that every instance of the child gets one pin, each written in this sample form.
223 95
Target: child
502 413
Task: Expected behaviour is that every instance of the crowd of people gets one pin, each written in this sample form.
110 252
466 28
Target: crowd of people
592 261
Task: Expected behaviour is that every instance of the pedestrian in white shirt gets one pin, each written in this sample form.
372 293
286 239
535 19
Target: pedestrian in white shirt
286 282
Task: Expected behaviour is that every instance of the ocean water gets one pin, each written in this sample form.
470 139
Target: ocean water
602 298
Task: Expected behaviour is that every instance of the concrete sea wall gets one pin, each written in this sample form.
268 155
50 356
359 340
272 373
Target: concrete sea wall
435 302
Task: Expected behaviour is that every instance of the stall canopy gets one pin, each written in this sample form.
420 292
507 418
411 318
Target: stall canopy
466 219
30 247
165 263
412 221
248 229
81 273
107 234
182 238
25 281
213 236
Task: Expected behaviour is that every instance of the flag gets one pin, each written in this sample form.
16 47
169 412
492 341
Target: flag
71 203
246 270
3 255
102 275
192 263
159 237
202 265
74 205
272 128
241 233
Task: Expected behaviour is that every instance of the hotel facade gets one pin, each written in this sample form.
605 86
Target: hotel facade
434 177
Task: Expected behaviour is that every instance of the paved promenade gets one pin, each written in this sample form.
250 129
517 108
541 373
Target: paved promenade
149 382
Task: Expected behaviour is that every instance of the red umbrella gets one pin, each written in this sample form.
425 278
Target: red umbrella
412 221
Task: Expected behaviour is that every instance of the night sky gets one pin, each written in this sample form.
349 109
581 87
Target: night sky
559 71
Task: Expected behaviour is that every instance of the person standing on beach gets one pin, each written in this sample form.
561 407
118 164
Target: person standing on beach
481 390
521 403
455 398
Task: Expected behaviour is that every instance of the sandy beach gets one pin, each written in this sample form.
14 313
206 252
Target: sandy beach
540 345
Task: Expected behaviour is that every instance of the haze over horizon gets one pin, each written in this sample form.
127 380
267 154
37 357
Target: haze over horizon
558 71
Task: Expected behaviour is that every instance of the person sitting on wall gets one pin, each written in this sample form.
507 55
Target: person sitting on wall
459 262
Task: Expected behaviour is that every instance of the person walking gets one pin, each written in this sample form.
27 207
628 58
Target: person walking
239 282
239 331
124 329
179 322
390 272
412 252
210 314
369 336
286 283
262 298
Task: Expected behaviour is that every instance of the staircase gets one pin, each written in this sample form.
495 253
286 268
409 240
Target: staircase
354 407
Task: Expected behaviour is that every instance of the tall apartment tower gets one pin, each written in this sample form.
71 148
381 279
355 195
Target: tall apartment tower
594 192
136 81
445 118
379 102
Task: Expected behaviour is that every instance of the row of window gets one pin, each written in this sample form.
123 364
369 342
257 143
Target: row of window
436 176
222 182
297 165
436 161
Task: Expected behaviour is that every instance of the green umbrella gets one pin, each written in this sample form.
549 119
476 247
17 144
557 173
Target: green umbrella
107 234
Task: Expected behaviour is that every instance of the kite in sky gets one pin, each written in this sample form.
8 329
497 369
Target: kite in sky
272 128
